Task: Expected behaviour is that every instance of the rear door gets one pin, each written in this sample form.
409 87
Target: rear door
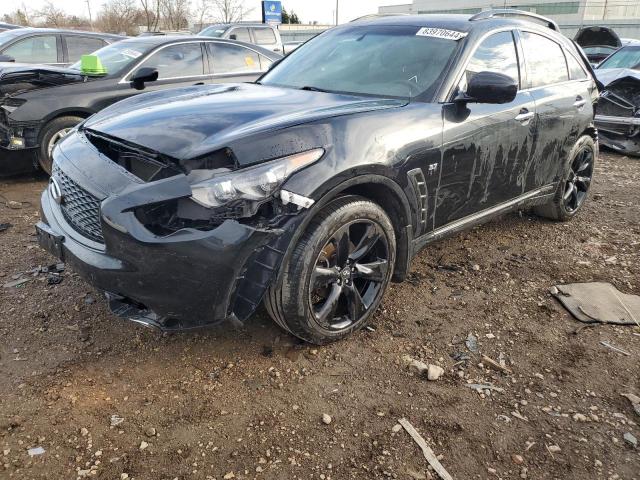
485 146
74 46
563 105
235 63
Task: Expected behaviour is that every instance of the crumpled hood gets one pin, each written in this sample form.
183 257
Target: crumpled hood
19 77
189 122
608 75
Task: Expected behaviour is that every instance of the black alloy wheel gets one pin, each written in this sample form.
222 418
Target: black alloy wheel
349 274
336 273
579 180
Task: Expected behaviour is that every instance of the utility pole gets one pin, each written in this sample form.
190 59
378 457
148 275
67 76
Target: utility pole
337 2
90 20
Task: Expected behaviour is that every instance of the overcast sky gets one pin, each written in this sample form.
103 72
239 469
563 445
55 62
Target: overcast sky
307 10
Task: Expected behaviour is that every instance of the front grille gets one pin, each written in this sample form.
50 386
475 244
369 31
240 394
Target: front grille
79 207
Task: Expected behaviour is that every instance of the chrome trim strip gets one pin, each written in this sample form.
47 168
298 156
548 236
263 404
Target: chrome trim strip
490 211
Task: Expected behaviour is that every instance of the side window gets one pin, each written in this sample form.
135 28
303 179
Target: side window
38 49
496 53
576 71
545 61
241 34
78 46
228 58
264 36
265 62
182 60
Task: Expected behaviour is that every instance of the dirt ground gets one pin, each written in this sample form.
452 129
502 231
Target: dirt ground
225 403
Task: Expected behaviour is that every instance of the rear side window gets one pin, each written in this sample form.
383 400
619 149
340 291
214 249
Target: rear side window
241 34
496 53
183 60
78 46
545 61
37 49
264 36
228 58
576 71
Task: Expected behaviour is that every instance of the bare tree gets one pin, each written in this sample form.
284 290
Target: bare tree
20 16
201 13
151 14
175 14
53 16
118 16
230 11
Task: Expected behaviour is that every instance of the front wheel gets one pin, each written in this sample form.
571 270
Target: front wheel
575 184
51 134
337 274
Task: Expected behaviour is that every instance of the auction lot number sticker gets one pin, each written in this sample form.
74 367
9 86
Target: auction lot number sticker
441 33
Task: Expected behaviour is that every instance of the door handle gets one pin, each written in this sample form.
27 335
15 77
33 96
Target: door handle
524 116
579 103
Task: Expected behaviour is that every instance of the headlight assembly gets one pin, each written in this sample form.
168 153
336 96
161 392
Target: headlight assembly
253 184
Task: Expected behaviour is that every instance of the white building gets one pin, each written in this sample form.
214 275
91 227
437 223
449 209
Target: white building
621 15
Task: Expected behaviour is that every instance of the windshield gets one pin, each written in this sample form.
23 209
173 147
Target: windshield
214 31
626 57
117 56
388 61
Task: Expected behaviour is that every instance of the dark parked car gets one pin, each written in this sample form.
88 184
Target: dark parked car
8 26
39 105
313 188
50 46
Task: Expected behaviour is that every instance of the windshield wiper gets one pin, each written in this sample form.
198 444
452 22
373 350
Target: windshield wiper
313 89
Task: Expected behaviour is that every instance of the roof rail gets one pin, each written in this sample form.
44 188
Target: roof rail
378 15
512 12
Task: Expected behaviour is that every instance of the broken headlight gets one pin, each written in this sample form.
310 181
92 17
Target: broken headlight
253 184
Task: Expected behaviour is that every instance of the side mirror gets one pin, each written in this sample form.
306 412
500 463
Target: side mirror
143 75
6 58
233 36
490 87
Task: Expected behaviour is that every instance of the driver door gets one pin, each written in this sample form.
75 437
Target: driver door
485 146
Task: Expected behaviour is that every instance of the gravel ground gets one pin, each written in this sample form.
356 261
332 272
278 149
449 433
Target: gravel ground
105 398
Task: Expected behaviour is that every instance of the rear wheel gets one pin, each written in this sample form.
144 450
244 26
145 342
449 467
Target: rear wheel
51 134
337 273
574 187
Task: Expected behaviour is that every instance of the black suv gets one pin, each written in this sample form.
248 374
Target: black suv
313 188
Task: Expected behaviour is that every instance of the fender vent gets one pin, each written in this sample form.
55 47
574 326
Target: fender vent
416 179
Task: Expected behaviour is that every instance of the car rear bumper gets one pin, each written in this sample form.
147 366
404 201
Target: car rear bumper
178 282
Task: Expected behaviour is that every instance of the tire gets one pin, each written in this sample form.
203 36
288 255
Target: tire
337 274
50 135
574 187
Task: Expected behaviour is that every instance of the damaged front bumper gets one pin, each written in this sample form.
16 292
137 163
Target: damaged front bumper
621 134
188 279
618 115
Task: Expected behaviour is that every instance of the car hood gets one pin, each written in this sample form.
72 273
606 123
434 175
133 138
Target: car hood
189 122
608 75
20 77
597 37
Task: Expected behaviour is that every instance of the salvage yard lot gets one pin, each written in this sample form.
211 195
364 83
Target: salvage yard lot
225 403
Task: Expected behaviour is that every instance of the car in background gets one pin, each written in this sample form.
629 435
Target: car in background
8 26
50 46
597 42
266 36
618 110
40 104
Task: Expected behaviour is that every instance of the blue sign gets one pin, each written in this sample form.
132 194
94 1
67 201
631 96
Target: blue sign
271 11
